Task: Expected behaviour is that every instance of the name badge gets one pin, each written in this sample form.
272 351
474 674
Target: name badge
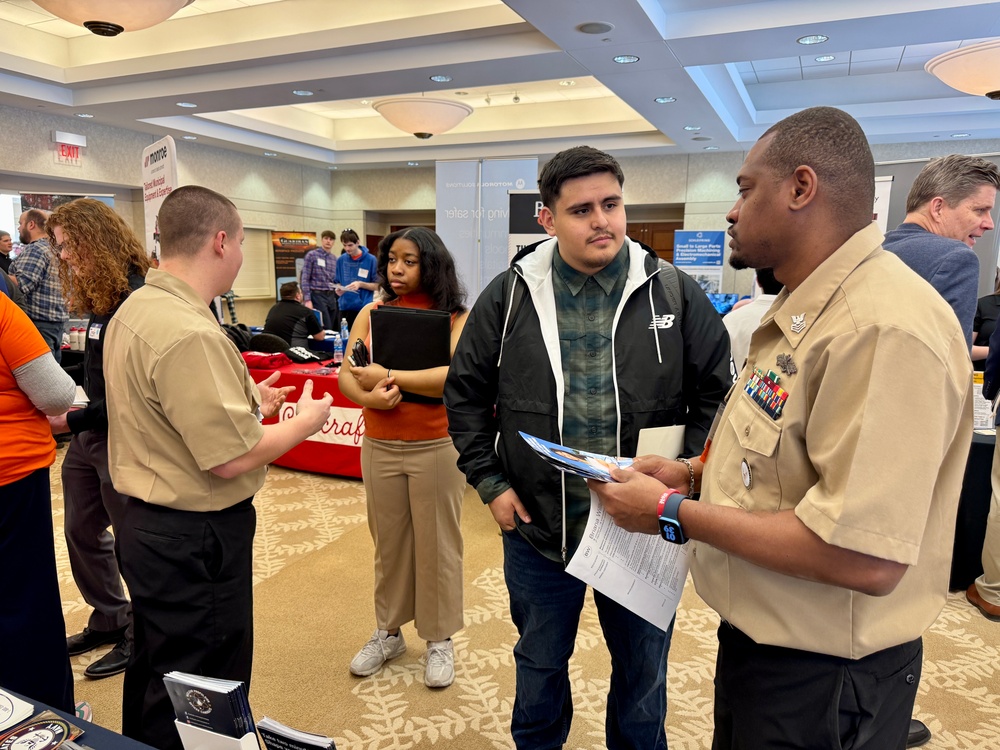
321 262
362 273
95 331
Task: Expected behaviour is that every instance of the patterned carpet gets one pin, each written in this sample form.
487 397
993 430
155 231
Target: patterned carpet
313 577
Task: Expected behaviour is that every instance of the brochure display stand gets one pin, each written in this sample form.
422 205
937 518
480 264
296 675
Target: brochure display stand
196 738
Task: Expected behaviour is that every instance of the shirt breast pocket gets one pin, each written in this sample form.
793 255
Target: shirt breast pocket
748 474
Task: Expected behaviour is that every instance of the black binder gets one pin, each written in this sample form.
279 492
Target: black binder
406 338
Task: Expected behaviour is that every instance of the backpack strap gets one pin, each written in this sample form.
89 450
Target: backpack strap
672 286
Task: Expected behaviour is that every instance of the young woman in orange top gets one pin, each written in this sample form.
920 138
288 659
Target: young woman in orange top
409 466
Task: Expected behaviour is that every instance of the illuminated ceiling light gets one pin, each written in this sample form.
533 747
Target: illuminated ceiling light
112 17
366 102
692 128
441 79
961 135
84 115
333 167
302 92
421 116
186 105
826 58
665 99
595 27
189 137
963 69
711 148
625 59
813 39
269 153
413 163
567 83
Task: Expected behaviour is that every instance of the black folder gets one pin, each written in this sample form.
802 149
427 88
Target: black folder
406 338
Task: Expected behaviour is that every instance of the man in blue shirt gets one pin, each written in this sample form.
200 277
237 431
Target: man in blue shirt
357 276
947 210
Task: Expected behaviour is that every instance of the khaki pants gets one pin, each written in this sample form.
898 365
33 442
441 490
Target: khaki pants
415 492
988 583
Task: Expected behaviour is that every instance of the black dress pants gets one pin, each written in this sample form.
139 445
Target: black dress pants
33 657
190 578
774 698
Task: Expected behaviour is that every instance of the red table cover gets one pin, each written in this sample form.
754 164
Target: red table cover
335 449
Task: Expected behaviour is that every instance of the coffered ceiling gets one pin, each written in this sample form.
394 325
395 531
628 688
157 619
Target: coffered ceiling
537 82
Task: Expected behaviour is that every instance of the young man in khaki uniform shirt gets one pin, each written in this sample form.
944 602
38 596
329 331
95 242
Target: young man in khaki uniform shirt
187 446
832 479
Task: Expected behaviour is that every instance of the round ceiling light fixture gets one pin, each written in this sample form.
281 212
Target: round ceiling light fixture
971 70
626 59
441 79
665 99
421 116
302 92
595 27
112 17
813 39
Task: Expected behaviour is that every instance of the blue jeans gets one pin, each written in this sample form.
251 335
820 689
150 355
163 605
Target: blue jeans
545 604
52 332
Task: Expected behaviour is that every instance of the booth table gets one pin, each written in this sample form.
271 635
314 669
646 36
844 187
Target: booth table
335 449
973 510
94 736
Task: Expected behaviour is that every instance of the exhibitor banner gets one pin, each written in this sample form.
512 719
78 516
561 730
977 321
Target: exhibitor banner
159 178
290 250
699 254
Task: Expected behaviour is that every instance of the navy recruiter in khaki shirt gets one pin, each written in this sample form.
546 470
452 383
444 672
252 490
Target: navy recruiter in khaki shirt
831 480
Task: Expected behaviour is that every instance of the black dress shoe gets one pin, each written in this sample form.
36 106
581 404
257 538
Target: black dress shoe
919 734
112 663
89 639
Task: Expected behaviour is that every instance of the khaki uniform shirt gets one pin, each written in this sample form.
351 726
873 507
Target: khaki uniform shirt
869 450
180 401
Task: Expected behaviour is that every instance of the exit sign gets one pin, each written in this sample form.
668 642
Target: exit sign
69 154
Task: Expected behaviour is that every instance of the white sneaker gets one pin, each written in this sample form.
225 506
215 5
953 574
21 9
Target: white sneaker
379 649
440 671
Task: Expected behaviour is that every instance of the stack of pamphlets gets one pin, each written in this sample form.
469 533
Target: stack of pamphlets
13 710
277 736
215 705
573 461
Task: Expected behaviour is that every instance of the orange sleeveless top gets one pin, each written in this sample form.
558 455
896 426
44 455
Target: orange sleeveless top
407 421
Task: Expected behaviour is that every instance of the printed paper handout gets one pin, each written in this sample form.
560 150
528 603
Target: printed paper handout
641 572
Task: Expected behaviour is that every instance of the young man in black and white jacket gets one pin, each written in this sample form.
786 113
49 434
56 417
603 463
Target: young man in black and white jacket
579 343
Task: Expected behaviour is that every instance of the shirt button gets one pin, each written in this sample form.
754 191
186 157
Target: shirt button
747 431
591 317
593 391
591 353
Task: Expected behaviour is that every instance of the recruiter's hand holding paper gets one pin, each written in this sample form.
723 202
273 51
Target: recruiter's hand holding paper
639 571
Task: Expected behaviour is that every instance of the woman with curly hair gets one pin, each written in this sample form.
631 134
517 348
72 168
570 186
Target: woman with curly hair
101 262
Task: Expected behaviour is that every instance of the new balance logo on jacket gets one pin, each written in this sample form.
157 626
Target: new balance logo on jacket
662 321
